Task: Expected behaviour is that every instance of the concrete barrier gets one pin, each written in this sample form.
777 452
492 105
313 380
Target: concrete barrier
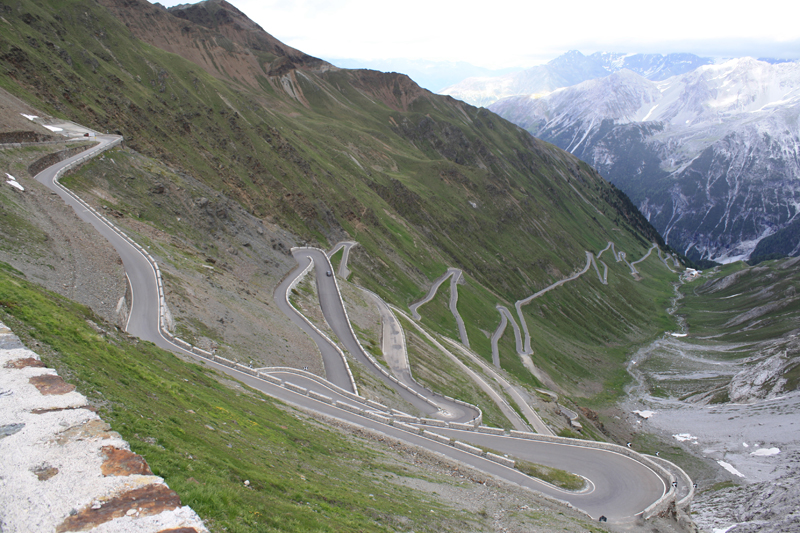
407 427
505 461
378 406
348 407
295 388
374 415
662 507
320 397
467 448
201 352
436 436
182 343
246 369
270 379
433 422
465 427
490 431
223 361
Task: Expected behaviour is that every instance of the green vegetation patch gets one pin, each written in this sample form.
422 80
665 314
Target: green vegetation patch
554 476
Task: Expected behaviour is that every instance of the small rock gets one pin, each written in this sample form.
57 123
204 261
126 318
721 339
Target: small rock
246 482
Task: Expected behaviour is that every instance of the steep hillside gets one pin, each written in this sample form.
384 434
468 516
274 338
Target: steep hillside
710 157
321 151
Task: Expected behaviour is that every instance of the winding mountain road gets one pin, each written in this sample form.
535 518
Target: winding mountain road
333 359
518 305
343 270
335 314
455 275
620 486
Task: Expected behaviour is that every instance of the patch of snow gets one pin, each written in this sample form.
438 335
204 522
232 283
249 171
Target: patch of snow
645 414
53 128
724 529
729 467
683 437
13 182
649 113
745 445
29 117
678 334
765 452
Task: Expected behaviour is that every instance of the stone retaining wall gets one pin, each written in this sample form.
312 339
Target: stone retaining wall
63 468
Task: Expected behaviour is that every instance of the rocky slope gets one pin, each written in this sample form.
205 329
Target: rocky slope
570 69
710 157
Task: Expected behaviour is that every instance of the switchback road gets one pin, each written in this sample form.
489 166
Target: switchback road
620 486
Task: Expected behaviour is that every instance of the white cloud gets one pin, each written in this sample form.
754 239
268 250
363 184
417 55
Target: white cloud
506 33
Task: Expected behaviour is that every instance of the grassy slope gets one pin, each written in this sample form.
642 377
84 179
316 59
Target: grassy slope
582 326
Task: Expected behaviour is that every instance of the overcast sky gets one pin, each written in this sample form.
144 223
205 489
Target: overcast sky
506 33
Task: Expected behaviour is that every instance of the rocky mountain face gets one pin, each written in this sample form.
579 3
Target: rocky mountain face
710 157
570 69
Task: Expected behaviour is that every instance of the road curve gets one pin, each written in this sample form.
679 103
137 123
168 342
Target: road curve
343 270
533 419
333 359
505 317
142 321
645 256
621 488
455 274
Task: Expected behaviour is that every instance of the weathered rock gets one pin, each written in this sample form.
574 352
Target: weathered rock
123 463
25 362
144 501
50 384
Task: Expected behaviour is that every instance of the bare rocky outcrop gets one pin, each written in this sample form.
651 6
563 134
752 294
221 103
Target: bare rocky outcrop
767 507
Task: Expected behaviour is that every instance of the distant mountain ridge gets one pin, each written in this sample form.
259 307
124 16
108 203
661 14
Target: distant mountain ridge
570 69
710 156
431 75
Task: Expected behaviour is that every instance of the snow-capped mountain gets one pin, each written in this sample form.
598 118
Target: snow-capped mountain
569 69
711 157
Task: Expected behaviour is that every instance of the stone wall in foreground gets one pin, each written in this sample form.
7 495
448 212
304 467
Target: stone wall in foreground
62 467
